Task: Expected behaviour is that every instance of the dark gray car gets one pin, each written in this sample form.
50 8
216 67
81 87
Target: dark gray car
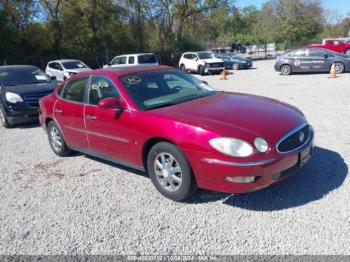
311 60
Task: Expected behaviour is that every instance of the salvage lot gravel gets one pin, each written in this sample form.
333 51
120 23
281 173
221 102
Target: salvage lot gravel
79 205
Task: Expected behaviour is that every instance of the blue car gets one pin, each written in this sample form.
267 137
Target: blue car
235 62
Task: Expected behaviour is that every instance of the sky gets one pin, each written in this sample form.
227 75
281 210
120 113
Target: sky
342 6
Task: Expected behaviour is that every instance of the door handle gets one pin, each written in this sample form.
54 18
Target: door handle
91 117
58 111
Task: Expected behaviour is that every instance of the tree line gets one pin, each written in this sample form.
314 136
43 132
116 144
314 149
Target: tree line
35 31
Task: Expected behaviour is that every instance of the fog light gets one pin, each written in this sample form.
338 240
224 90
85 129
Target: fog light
241 179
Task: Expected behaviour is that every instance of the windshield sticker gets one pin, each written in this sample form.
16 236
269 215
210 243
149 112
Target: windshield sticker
99 85
132 80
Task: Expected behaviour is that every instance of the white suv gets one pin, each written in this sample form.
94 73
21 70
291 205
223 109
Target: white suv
201 62
144 59
65 68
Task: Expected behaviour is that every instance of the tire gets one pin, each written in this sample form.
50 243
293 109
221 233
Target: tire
3 119
170 172
339 67
56 140
201 70
286 70
235 67
183 68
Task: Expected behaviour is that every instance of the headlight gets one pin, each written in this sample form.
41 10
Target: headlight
261 144
13 98
232 146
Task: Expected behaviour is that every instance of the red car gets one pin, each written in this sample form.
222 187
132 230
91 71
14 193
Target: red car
178 129
334 45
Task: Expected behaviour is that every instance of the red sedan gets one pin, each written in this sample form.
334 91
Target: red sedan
178 129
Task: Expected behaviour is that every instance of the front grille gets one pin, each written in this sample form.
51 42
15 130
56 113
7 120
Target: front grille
33 99
294 140
216 65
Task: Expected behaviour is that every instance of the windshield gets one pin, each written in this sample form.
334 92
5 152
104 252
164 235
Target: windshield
73 65
22 76
154 89
147 59
205 55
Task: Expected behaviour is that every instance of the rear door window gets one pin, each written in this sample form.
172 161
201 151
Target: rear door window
75 90
315 53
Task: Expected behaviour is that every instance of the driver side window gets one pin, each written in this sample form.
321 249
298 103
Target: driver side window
100 88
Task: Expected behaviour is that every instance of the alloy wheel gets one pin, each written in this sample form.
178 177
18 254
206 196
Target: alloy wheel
339 68
55 138
168 172
285 70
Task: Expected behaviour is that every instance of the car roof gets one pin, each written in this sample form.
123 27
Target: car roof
126 70
64 60
17 67
135 54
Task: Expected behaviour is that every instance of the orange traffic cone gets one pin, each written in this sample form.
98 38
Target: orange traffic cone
332 73
223 75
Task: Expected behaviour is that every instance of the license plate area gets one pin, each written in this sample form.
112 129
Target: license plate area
305 155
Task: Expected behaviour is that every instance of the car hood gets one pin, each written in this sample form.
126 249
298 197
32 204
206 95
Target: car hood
32 88
78 70
212 60
237 115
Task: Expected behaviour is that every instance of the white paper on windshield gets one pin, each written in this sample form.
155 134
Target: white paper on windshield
40 77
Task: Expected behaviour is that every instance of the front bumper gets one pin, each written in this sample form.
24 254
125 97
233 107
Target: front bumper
20 114
211 173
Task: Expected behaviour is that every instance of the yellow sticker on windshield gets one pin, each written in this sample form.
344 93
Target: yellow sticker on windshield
132 80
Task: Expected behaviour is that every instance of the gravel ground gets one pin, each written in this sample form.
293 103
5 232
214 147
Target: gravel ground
79 205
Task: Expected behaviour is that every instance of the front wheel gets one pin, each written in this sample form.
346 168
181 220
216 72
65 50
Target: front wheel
170 172
183 68
286 70
3 119
235 67
56 140
201 70
339 67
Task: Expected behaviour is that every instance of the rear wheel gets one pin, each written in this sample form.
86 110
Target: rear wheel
170 171
235 67
286 70
56 140
339 67
3 119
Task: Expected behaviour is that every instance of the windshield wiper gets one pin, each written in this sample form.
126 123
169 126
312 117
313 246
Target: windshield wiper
162 105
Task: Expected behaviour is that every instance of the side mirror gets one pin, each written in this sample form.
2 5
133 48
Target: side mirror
111 103
325 56
196 59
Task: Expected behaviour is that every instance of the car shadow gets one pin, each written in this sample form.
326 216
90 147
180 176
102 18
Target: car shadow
325 172
125 168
